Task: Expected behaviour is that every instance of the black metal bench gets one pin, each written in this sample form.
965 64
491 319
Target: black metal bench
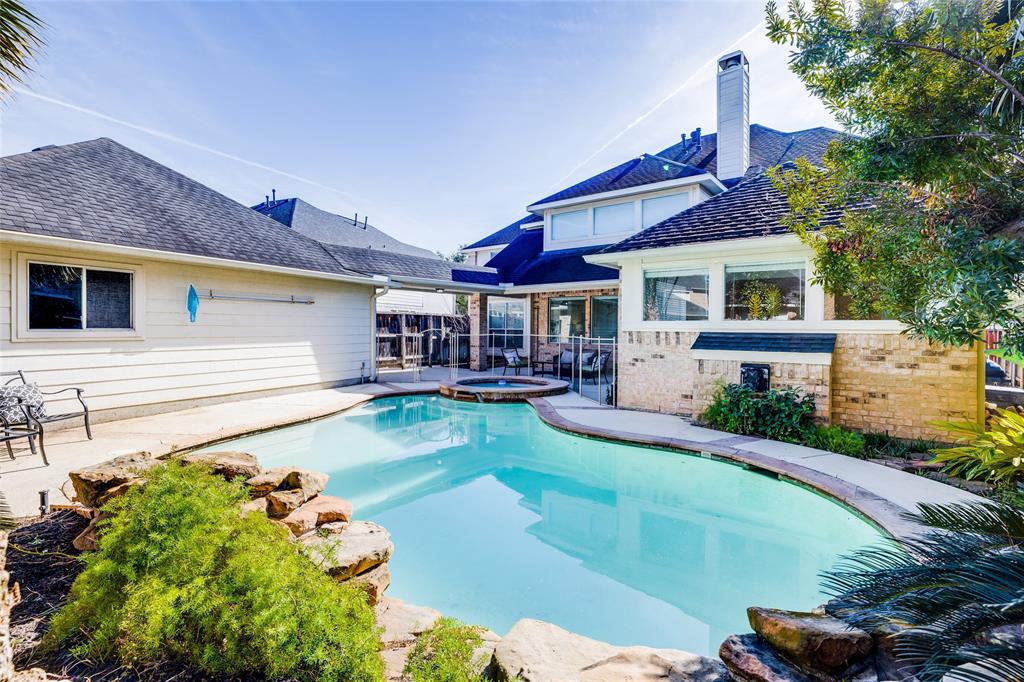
36 415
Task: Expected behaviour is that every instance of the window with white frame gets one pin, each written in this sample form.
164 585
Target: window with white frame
676 295
656 209
570 225
505 324
68 297
614 218
773 291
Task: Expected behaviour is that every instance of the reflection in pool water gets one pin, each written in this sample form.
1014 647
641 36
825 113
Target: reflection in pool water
496 517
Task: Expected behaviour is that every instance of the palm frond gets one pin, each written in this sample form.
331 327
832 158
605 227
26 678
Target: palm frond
19 41
949 592
7 521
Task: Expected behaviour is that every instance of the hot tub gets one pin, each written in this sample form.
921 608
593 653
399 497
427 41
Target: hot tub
499 389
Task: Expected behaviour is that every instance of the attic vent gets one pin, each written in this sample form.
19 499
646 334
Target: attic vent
45 147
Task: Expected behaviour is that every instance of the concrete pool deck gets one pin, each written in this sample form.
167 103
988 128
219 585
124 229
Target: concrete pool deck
877 491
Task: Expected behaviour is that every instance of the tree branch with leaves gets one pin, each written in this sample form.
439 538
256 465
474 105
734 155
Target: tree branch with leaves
933 173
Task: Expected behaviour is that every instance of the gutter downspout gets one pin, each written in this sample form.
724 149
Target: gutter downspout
377 293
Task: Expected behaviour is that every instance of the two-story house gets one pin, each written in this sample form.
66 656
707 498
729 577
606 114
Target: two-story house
680 256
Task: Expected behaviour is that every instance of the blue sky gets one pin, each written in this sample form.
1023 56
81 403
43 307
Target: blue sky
440 121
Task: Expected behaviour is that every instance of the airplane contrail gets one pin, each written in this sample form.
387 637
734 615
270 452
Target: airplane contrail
639 119
179 140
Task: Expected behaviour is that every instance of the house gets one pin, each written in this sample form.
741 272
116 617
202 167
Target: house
403 315
680 256
154 292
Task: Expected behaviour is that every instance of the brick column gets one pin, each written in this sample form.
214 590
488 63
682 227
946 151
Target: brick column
478 332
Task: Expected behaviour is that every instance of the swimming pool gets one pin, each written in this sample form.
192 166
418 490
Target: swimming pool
496 516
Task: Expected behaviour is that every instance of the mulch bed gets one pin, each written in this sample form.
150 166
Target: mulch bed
42 560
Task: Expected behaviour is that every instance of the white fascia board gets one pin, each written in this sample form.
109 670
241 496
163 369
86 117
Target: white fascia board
449 287
762 356
484 248
708 180
13 237
730 246
562 286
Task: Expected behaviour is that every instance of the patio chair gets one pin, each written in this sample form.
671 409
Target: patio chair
513 360
596 367
13 431
569 362
34 402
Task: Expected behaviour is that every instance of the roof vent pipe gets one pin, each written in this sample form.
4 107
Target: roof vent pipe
733 115
266 200
355 221
273 193
366 221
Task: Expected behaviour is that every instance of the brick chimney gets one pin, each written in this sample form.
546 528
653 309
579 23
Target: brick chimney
733 115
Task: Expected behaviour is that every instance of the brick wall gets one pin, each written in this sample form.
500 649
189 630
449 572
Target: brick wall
892 383
877 382
540 347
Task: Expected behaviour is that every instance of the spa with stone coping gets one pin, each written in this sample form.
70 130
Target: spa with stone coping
500 389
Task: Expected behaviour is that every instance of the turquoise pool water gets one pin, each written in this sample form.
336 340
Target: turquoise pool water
499 384
496 517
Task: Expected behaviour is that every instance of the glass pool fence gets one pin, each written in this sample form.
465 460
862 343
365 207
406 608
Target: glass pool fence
587 363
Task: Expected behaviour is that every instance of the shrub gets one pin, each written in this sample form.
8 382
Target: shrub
837 439
444 653
995 455
180 574
779 414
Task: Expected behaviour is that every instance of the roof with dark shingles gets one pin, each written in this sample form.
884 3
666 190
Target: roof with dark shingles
331 228
768 147
753 208
385 262
101 191
524 262
506 234
767 342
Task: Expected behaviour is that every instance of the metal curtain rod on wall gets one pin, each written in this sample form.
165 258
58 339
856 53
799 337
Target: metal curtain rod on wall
213 296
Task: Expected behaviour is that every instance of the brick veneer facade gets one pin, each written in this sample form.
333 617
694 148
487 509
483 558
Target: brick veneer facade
877 382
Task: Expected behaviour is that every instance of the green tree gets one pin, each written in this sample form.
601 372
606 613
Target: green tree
19 42
456 256
932 179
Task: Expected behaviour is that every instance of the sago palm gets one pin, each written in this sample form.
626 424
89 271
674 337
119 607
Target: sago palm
955 593
19 41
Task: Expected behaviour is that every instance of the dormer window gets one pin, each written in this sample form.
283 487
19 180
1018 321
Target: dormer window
570 225
614 218
657 209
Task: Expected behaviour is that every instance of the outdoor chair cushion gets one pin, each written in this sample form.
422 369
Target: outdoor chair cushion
587 358
11 410
566 357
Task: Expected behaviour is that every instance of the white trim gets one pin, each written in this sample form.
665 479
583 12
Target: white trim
704 179
134 251
733 246
762 356
474 249
562 286
20 331
449 286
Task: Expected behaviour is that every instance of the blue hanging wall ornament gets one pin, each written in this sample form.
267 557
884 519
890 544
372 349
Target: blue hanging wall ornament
192 303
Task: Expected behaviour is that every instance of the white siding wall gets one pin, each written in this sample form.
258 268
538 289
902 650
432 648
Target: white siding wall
420 302
235 347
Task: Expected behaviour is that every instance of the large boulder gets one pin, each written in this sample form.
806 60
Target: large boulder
88 539
401 624
373 582
92 484
287 478
315 513
230 465
750 659
311 483
535 651
267 481
814 642
281 503
357 549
